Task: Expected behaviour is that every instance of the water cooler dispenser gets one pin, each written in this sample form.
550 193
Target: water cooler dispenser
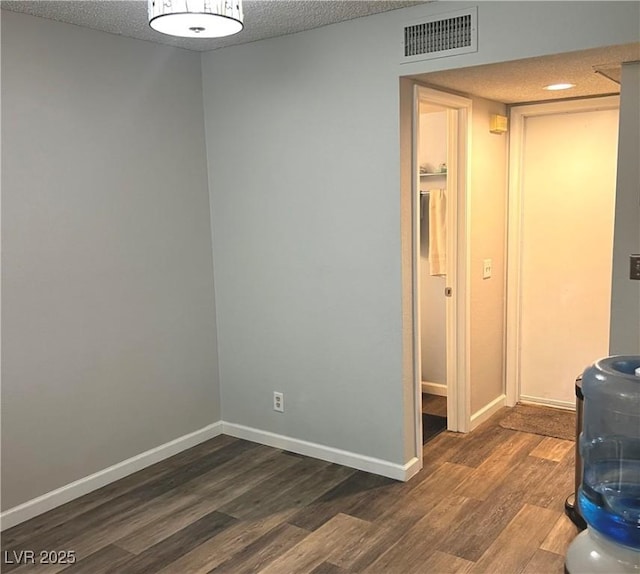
609 496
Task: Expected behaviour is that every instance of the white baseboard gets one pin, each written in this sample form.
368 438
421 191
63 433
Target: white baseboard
88 484
566 405
351 459
434 389
78 488
486 412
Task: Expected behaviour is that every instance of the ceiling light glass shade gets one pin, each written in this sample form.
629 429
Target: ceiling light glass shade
196 18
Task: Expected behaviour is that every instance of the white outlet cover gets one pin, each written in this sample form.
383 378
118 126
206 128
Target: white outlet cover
278 402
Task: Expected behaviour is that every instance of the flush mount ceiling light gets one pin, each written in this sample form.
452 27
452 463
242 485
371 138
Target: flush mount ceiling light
554 87
196 18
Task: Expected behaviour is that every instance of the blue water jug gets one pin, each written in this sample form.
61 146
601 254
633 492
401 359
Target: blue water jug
609 496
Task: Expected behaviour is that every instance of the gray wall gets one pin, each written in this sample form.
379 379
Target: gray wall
304 163
108 328
625 293
307 265
109 343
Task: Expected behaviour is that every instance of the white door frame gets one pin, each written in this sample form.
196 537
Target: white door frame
457 306
519 114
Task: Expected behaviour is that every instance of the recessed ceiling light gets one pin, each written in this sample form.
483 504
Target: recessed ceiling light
553 87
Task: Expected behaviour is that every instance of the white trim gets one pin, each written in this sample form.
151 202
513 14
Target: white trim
565 405
462 303
415 275
514 225
443 99
88 484
437 389
455 417
351 459
514 235
486 412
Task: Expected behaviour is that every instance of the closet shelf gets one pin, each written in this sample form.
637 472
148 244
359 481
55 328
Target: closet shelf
442 173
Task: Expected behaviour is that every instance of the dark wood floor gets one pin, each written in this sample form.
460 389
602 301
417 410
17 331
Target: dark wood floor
490 501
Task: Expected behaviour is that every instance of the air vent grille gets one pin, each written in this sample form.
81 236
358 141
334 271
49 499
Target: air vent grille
440 36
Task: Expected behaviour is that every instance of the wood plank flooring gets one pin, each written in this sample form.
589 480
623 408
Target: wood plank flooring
490 501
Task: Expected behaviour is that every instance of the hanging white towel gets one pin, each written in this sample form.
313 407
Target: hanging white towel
437 232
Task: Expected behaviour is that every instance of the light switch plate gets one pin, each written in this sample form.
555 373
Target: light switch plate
486 269
634 267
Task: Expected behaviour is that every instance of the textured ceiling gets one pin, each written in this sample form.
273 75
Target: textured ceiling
522 80
509 82
263 18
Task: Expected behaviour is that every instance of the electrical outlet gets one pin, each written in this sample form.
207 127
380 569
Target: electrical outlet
486 269
278 402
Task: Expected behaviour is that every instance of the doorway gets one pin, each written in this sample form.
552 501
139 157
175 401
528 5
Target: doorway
432 178
440 151
561 198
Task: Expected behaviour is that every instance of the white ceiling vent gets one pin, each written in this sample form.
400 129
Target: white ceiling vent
443 35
